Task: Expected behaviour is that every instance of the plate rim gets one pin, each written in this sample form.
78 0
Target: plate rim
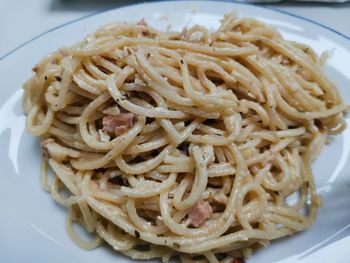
118 6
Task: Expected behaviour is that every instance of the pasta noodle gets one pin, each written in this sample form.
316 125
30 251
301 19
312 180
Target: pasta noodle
184 143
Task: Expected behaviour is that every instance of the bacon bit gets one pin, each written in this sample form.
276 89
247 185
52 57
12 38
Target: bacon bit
200 212
44 150
237 260
142 22
183 34
117 124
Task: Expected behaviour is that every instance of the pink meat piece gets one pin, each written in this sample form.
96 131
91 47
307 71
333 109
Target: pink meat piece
200 212
117 124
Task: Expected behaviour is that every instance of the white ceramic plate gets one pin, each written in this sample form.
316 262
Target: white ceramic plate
32 224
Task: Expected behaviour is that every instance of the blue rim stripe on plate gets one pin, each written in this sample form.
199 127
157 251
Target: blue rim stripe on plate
123 6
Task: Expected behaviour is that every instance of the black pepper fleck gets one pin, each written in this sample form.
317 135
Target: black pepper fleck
177 245
137 234
58 78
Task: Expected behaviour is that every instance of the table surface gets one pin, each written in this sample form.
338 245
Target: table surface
21 20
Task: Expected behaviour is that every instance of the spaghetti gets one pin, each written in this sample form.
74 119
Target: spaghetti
188 144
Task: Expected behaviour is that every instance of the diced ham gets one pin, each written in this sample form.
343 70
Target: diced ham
200 212
142 22
117 124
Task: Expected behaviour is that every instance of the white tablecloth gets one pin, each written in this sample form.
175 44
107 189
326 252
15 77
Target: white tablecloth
21 20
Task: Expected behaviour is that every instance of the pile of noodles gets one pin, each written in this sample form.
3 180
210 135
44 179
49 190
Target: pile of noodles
194 143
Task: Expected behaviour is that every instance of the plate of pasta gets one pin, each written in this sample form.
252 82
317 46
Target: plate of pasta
182 131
